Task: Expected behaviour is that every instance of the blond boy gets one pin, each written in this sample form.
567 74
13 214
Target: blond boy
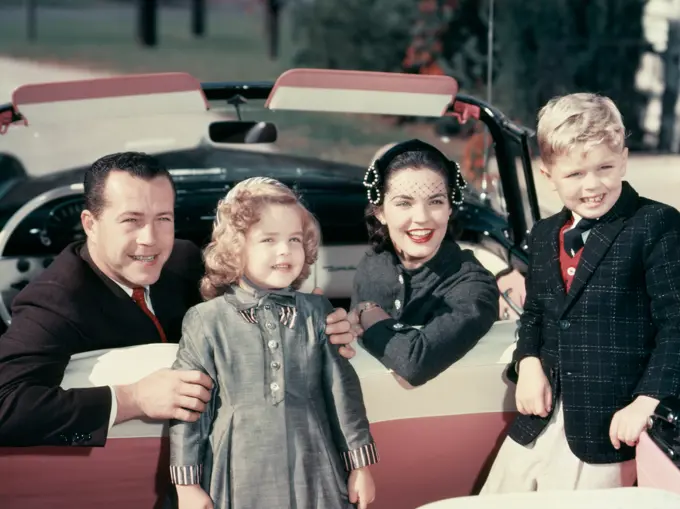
599 340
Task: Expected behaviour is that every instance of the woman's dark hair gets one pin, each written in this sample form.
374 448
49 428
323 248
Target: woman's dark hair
414 154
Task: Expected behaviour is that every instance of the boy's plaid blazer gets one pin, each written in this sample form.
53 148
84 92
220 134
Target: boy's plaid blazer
616 333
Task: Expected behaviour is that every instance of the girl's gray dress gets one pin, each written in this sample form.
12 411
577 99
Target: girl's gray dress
286 422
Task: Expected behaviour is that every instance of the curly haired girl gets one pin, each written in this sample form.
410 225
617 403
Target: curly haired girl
286 424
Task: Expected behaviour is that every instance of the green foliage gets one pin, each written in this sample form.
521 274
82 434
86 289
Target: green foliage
465 44
541 48
353 34
566 46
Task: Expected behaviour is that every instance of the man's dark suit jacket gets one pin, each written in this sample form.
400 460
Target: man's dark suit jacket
616 333
73 308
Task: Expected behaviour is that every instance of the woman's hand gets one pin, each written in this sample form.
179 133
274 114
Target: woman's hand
533 395
368 314
192 496
361 487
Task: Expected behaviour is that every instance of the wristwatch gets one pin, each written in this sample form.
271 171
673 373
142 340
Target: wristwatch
365 306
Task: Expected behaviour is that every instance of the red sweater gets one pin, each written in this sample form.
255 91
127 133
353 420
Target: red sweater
567 263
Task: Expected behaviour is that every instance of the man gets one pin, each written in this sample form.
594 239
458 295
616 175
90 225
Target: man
130 283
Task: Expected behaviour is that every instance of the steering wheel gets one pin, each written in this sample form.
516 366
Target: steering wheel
17 271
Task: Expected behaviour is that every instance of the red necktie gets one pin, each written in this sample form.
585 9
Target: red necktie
138 297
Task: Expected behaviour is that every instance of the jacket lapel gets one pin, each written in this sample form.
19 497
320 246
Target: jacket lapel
599 241
121 307
164 299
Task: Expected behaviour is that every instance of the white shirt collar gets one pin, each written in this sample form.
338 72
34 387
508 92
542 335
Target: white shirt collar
128 290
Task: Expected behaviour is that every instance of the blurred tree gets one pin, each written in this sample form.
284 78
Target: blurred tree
424 52
669 99
370 35
147 22
272 11
31 20
198 14
465 44
416 36
565 46
450 37
541 49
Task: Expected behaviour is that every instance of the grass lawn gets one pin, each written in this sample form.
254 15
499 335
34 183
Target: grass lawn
102 36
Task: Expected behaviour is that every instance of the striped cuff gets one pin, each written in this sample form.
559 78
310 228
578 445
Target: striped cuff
187 474
362 457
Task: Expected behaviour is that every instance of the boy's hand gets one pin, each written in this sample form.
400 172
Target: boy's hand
192 496
533 395
629 422
361 487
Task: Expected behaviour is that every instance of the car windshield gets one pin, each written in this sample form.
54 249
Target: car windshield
64 139
357 139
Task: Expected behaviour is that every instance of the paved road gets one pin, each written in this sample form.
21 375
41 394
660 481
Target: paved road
14 73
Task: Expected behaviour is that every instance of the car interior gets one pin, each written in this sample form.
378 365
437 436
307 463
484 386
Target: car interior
40 208
437 440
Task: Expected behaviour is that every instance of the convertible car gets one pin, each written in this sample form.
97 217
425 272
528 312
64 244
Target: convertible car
436 441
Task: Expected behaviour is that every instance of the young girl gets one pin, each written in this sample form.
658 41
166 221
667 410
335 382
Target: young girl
286 425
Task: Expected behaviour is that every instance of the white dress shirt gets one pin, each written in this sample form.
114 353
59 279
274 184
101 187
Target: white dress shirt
577 218
114 400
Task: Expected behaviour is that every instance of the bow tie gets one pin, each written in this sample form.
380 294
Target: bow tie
573 239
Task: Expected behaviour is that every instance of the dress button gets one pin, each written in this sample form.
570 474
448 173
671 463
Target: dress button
564 324
401 279
397 304
275 365
571 271
274 386
270 325
273 344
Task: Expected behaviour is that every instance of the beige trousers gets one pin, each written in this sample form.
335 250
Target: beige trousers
548 464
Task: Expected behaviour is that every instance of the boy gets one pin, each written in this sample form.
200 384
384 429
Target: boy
599 340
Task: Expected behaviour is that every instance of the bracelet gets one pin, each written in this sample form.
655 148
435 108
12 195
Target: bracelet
365 306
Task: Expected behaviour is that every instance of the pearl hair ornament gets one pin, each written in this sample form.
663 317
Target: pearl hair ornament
372 184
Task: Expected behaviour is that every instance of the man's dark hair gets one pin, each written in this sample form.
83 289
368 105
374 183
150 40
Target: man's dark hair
136 164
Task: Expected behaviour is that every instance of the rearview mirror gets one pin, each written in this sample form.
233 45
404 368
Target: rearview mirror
242 132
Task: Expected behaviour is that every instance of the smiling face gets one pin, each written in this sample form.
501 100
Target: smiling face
416 211
589 182
133 235
274 252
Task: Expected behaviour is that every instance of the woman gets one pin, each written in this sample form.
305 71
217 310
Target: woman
421 301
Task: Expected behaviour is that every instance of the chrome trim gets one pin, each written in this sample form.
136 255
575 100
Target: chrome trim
21 214
513 305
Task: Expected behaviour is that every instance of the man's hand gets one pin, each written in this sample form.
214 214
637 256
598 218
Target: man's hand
629 422
342 328
165 394
533 395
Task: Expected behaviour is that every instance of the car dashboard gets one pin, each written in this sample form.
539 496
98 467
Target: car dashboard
37 231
